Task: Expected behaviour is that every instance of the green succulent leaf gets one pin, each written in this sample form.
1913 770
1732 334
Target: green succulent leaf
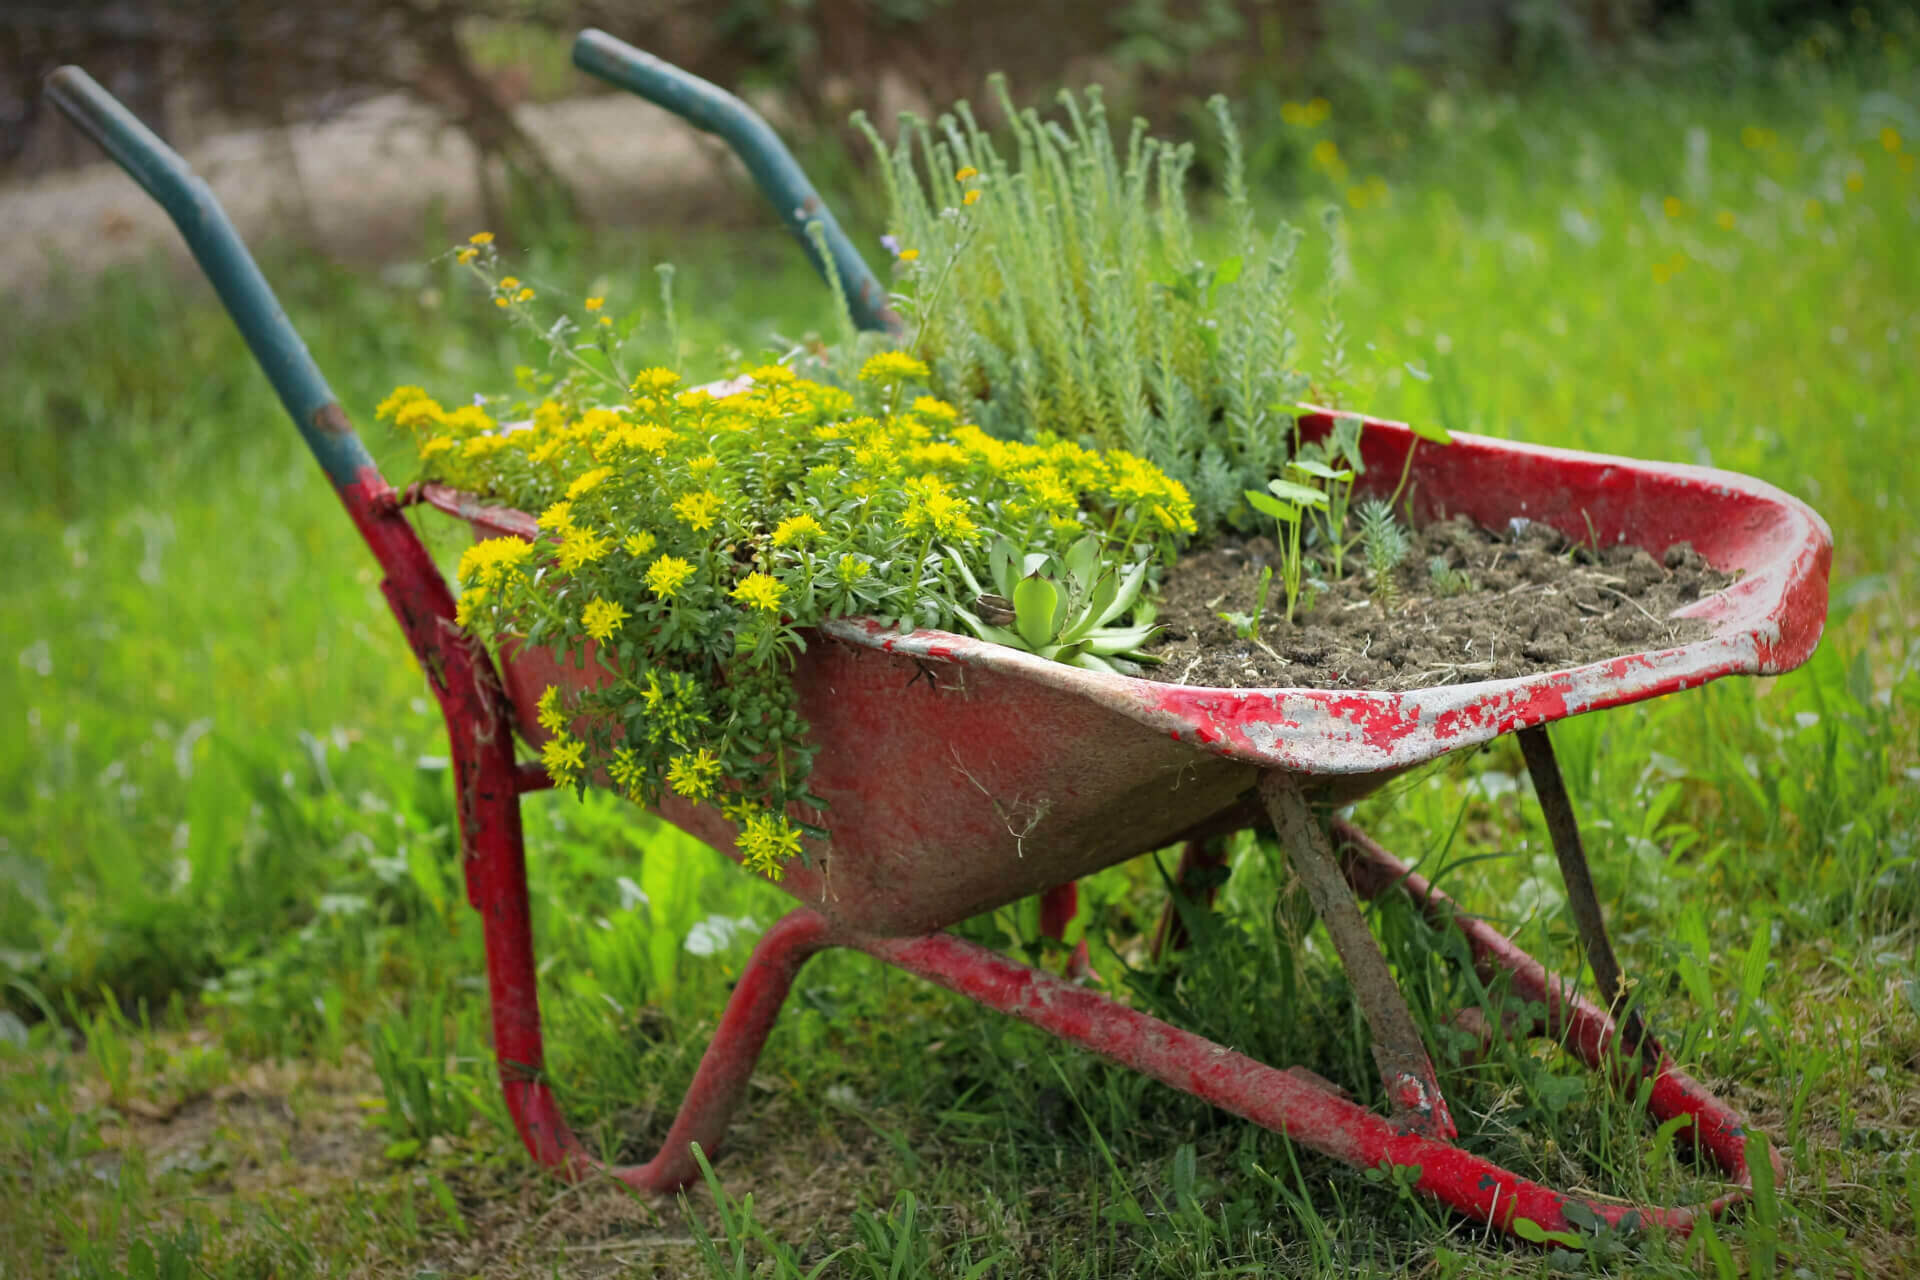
1036 601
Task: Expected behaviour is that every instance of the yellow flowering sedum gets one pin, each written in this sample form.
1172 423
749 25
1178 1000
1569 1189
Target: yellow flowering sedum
689 536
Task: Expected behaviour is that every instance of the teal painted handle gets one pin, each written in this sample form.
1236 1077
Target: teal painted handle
708 107
226 262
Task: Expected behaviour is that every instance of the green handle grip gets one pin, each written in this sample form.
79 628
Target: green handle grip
708 107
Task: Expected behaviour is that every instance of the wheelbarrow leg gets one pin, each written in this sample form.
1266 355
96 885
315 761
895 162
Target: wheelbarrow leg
1564 829
497 887
1057 908
1413 1092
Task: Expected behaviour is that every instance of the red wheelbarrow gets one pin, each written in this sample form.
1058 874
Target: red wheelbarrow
1004 775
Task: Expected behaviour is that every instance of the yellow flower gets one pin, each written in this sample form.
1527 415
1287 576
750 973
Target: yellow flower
470 601
1673 206
594 304
760 591
940 410
893 366
700 466
1890 138
972 195
909 255
588 481
436 445
558 517
400 398
480 237
509 283
852 568
767 843
667 574
626 772
563 757
582 548
552 717
1326 153
465 256
602 618
693 775
606 320
1856 182
965 173
801 528
484 446
499 302
698 510
1725 219
417 415
771 375
639 544
654 381
525 295
491 561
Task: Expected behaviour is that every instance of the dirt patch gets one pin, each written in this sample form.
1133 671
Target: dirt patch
1465 604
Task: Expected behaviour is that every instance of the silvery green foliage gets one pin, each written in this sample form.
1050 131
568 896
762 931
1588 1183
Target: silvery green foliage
1068 296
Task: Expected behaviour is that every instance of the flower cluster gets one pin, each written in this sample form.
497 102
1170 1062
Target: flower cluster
686 539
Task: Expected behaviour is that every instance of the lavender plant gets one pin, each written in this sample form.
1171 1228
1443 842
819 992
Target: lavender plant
1061 290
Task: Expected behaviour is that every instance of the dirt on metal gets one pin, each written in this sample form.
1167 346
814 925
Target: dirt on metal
1522 602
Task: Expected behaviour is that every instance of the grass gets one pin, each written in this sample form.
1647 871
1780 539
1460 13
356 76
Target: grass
245 1030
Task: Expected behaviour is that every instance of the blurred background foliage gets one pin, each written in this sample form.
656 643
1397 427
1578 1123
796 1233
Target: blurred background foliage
194 68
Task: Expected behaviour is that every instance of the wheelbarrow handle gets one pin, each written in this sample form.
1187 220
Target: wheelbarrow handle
227 264
708 107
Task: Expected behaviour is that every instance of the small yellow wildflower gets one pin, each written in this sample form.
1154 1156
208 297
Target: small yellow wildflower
491 561
1673 206
973 194
564 758
760 591
418 415
465 256
693 776
594 304
654 381
480 237
470 601
588 481
607 320
667 574
436 445
852 568
558 517
525 295
893 366
499 302
626 772
639 544
552 717
700 466
1856 182
484 446
771 375
1724 219
966 172
767 842
1326 153
582 547
909 255
698 510
602 618
802 528
937 409
1890 138
509 283
400 398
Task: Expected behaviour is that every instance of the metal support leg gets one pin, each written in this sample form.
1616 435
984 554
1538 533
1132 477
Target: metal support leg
1585 903
1412 1090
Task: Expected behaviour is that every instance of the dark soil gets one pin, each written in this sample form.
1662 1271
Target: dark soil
1532 602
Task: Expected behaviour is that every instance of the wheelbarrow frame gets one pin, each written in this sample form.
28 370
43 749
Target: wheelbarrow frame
1337 862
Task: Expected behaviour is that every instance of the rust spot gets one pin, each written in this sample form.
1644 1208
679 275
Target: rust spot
331 420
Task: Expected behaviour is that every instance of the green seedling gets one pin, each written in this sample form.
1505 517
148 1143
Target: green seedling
1386 545
1288 503
1062 612
1445 579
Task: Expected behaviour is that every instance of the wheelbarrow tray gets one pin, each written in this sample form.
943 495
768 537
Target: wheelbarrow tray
960 775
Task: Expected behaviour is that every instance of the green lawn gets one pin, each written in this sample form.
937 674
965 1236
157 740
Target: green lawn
225 803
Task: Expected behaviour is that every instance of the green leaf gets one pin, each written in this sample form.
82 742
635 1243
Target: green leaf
1129 592
1228 271
1283 511
966 574
1431 431
1314 467
1301 494
1034 601
1083 561
1000 559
